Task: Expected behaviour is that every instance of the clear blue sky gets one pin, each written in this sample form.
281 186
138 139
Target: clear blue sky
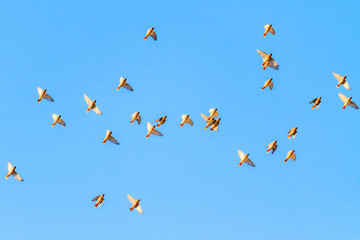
188 180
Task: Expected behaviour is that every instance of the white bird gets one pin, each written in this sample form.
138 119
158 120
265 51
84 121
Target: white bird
208 121
269 83
347 101
269 28
92 105
272 146
135 204
213 113
57 119
316 102
99 200
245 158
292 132
150 33
161 121
268 61
136 116
151 130
13 173
109 137
43 94
215 125
124 84
342 81
186 119
290 154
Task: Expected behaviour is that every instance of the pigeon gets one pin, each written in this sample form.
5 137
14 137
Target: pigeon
110 138
13 173
151 130
245 158
272 146
161 121
124 84
269 29
92 105
150 33
342 81
213 113
292 132
135 204
290 154
43 94
215 125
208 121
136 116
268 61
269 83
186 119
57 119
99 200
316 102
347 101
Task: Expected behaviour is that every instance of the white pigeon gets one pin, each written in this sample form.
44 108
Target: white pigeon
269 83
151 130
161 121
99 200
268 61
124 84
290 154
215 125
316 102
136 116
292 132
57 119
13 173
213 113
342 81
186 119
150 33
272 146
135 204
43 94
208 121
269 28
109 137
347 101
245 158
92 105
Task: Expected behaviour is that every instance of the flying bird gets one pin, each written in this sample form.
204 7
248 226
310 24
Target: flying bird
290 154
135 204
43 94
215 125
245 158
136 117
272 146
57 119
13 173
316 102
208 121
342 81
161 121
268 61
269 29
213 113
124 84
92 105
99 200
292 132
347 101
269 83
151 130
150 33
109 137
186 119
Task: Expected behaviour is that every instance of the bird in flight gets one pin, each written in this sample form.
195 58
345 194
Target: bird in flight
92 105
269 83
150 33
135 117
124 84
347 101
109 137
268 61
208 121
342 81
43 94
13 173
151 130
316 102
290 154
292 132
99 200
135 204
245 159
269 29
161 121
272 146
57 119
186 119
215 125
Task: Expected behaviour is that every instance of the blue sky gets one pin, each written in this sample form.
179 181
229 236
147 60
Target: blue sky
188 180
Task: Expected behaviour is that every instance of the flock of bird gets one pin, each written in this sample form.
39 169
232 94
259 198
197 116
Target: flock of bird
212 120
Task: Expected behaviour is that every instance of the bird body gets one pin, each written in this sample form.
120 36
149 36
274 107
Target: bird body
269 83
272 146
269 29
292 132
290 154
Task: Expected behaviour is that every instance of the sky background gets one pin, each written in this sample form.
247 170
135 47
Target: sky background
189 181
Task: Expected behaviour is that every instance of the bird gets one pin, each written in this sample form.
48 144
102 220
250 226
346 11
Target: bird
57 119
151 130
43 94
268 61
347 101
124 84
269 83
290 154
292 132
99 200
245 158
109 137
215 125
186 119
161 121
316 102
136 116
269 29
13 173
92 105
272 146
208 121
342 81
213 113
135 204
150 33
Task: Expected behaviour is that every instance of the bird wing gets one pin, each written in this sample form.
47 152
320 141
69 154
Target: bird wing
343 97
183 116
337 76
138 119
87 100
95 198
241 154
273 64
293 157
138 208
39 91
272 30
9 166
249 162
271 85
270 145
113 140
96 110
274 149
204 117
47 97
131 199
313 101
128 87
266 26
153 35
148 125
157 133
17 176
353 105
262 54
346 85
134 114
61 122
189 121
54 116
158 120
